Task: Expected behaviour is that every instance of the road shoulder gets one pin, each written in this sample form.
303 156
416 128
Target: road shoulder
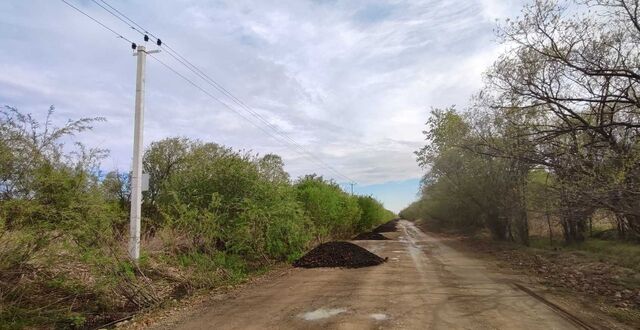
176 311
512 262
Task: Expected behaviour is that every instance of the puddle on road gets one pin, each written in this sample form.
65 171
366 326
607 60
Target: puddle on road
322 313
379 316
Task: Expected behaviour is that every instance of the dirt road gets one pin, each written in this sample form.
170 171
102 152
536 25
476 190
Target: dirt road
424 285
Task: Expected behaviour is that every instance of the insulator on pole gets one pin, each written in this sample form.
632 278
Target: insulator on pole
159 42
134 46
146 38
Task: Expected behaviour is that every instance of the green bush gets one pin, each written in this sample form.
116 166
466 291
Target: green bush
212 216
333 212
373 213
228 203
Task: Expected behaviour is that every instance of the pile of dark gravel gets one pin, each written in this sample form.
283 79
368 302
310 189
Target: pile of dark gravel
369 236
386 227
338 254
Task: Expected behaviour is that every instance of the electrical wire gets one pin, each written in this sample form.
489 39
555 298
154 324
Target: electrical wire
280 137
205 77
116 16
226 105
128 19
256 115
95 20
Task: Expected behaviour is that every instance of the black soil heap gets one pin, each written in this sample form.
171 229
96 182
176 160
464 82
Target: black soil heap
369 236
338 254
386 227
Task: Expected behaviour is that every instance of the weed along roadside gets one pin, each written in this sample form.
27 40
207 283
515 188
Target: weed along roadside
212 217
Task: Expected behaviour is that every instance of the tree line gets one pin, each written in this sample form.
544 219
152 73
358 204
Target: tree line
211 216
553 133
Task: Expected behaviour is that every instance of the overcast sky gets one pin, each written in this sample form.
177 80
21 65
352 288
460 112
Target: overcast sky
351 81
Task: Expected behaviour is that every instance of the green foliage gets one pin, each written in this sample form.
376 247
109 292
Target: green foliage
229 202
212 216
553 133
373 214
466 188
333 212
45 190
271 167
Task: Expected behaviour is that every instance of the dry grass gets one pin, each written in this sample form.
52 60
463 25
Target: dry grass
63 286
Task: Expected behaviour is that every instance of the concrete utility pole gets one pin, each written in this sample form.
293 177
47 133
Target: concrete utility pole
352 184
136 176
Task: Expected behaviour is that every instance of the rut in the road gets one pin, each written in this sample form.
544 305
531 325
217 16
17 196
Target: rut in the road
338 254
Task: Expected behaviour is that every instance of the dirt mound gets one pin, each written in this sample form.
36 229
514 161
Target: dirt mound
369 236
338 254
386 227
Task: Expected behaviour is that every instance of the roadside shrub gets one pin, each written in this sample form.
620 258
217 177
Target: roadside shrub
373 213
333 212
211 217
227 203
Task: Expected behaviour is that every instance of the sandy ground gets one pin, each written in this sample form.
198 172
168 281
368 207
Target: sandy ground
424 285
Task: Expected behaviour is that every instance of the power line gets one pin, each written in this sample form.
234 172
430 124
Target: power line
95 20
192 83
278 138
128 19
281 136
120 16
252 112
166 65
114 15
208 79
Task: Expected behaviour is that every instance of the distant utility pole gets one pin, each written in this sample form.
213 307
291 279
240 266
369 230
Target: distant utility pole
352 184
136 176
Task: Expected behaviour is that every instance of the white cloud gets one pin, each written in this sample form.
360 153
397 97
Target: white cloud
352 81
